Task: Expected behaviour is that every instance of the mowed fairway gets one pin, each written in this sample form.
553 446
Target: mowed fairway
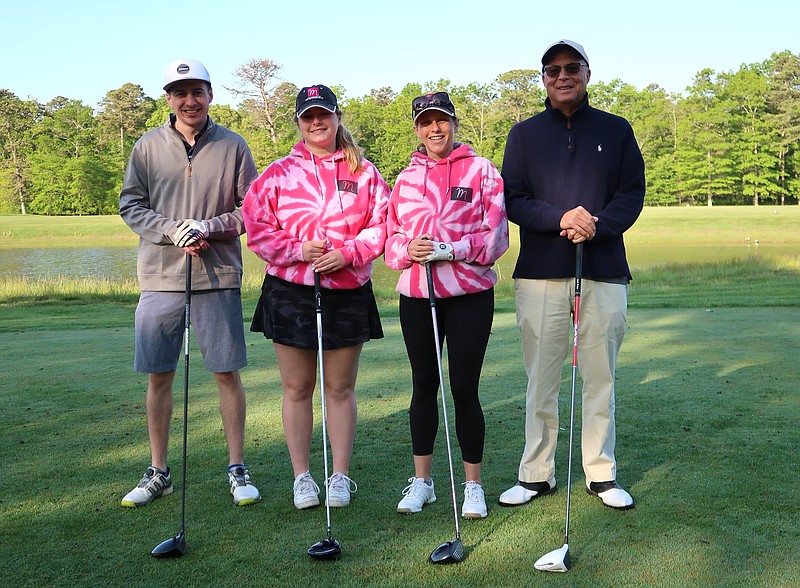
707 412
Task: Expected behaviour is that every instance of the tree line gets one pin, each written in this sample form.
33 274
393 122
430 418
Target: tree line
731 138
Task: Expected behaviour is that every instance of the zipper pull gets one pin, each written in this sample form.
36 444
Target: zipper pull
189 169
569 140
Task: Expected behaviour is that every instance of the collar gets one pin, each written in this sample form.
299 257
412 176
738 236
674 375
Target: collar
173 118
578 111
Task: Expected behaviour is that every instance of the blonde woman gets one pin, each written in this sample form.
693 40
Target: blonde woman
320 209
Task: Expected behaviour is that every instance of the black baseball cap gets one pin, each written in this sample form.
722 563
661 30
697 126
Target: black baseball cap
317 96
435 101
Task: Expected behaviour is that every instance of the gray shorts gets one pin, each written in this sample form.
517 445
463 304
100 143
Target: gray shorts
216 322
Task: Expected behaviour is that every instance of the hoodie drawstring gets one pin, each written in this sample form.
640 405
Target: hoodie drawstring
449 173
335 180
449 169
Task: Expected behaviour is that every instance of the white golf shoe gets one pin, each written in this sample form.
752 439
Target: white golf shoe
474 506
611 493
243 491
153 484
416 495
523 492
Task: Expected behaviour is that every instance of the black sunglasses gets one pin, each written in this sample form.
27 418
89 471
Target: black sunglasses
553 71
436 99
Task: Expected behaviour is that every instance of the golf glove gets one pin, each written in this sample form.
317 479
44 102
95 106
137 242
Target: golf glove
441 252
190 231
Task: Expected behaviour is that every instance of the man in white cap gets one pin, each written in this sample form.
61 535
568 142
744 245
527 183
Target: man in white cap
573 174
182 193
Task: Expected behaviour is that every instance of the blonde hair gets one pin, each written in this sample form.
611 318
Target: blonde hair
352 152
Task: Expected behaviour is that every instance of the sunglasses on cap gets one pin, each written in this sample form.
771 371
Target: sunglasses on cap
437 100
553 71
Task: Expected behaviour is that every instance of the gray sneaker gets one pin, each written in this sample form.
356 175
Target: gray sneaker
153 484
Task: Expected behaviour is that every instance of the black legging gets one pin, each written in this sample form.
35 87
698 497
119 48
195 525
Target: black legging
465 323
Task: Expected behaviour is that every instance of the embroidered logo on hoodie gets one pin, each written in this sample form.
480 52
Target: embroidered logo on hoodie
462 194
347 186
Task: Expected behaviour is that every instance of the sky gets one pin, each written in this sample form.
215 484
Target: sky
84 48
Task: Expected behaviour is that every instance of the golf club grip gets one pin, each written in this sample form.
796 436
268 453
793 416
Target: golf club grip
429 275
317 292
186 304
577 310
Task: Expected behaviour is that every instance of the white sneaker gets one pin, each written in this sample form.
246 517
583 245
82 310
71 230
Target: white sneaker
416 495
306 491
339 489
474 506
243 491
153 484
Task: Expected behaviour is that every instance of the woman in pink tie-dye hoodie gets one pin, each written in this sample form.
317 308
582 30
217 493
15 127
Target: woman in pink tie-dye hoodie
321 209
446 209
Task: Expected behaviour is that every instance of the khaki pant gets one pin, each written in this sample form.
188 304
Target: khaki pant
544 317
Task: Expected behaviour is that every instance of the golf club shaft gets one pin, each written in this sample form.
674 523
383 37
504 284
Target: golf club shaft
576 319
318 307
187 322
432 298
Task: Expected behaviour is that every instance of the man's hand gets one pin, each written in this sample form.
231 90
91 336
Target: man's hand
441 252
190 232
578 225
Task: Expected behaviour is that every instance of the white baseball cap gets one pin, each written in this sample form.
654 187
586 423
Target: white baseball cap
560 44
185 69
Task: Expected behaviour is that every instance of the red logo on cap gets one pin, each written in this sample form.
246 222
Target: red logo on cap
313 92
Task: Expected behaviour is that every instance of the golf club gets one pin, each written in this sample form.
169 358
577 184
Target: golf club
176 546
451 551
558 559
329 547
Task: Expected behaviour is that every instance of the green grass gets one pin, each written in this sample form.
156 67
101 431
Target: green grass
707 413
716 225
706 424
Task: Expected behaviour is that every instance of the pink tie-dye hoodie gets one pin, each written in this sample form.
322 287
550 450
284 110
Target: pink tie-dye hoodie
459 200
303 197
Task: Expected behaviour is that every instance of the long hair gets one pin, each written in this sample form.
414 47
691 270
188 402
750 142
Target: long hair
352 152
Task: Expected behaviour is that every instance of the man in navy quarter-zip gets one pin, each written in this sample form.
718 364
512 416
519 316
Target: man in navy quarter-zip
182 193
573 174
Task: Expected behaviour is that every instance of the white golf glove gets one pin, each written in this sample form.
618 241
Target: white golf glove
189 232
441 252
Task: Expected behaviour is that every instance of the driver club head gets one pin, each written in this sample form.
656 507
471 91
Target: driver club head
326 549
450 552
172 547
555 561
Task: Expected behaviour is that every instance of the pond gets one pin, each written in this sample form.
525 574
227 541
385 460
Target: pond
120 262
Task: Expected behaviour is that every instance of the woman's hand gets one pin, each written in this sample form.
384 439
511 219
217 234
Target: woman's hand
313 250
420 248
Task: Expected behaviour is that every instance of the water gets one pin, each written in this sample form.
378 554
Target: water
120 262
69 262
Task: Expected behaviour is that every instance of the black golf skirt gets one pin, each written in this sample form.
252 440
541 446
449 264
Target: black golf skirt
286 313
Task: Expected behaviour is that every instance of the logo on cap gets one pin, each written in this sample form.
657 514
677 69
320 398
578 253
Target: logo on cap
313 92
183 69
